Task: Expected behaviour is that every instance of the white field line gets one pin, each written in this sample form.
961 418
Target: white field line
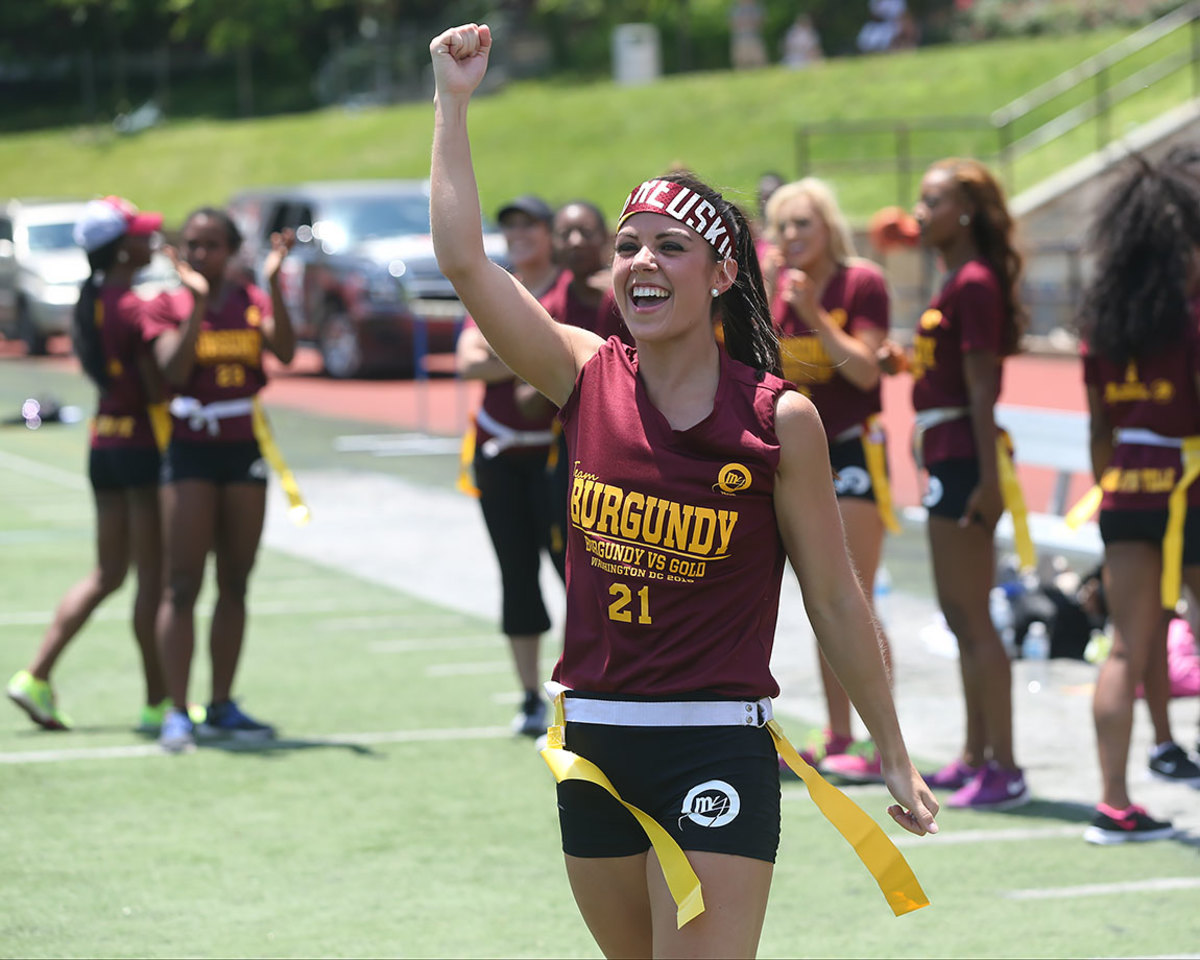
1154 885
142 750
432 643
41 471
989 836
264 608
468 669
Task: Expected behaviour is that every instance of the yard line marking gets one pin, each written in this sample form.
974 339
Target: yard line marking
990 836
431 643
42 471
1154 885
265 608
396 444
467 669
142 750
393 620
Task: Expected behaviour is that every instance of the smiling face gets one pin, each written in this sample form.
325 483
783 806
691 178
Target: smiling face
803 234
529 243
206 247
663 275
939 211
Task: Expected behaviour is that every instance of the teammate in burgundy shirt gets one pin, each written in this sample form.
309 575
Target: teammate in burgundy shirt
960 343
831 312
1141 335
209 345
693 475
123 459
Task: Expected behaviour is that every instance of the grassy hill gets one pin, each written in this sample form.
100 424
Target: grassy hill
594 140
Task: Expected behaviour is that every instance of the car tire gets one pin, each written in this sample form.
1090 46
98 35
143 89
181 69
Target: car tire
35 340
340 345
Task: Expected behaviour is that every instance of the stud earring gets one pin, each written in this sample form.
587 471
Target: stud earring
964 220
122 256
715 292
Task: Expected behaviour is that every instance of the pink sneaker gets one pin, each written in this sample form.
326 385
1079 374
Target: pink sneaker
953 776
822 744
859 764
992 788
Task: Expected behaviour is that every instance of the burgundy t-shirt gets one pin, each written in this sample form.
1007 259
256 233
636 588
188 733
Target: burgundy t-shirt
121 419
1156 393
674 558
856 299
967 315
228 355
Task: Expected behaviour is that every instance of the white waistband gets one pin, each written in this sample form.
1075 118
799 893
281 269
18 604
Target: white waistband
201 416
1142 437
936 416
669 713
503 437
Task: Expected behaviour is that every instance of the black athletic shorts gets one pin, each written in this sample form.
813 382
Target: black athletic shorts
851 478
115 468
237 461
712 788
1118 526
951 483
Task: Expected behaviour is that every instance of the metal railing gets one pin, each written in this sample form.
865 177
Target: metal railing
1003 127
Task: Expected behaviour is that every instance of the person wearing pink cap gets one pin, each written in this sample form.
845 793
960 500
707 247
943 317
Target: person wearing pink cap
696 473
123 461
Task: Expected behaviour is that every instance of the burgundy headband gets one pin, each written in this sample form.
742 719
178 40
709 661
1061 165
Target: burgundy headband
685 205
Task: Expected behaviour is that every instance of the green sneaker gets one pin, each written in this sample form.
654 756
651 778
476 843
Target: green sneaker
151 718
197 712
35 697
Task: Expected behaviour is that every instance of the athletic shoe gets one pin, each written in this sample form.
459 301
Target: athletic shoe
1132 825
953 776
821 744
178 734
859 764
531 721
150 720
227 721
1170 762
37 699
992 788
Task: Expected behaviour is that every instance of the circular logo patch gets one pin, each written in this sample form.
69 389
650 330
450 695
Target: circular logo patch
713 803
934 493
852 481
732 478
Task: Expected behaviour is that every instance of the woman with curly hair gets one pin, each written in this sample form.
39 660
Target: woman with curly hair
972 324
1142 371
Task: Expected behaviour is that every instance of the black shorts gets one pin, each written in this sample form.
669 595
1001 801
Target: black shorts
851 478
951 483
712 788
237 461
1117 526
115 468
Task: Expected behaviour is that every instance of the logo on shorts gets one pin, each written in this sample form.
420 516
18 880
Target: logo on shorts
713 803
852 481
258 469
732 478
934 493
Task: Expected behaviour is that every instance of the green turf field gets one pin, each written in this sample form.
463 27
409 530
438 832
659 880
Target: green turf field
397 817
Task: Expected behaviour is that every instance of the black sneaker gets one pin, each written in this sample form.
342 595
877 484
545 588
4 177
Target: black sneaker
1133 825
226 720
1170 762
531 721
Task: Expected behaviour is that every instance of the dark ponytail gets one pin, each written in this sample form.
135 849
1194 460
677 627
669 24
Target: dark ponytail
85 326
745 316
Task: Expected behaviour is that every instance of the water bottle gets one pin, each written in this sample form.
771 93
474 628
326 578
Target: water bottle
1000 609
1036 649
882 594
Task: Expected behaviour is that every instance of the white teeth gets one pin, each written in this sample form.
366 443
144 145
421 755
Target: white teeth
640 291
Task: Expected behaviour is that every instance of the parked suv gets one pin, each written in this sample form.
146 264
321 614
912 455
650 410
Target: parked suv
41 269
361 283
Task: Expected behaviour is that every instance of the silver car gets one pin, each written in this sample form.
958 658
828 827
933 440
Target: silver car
41 269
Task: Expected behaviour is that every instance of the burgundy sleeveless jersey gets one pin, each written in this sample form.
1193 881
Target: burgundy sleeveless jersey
966 315
674 558
856 299
121 418
228 356
1155 393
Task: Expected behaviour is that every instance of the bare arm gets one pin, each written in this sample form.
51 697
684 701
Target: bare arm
540 351
981 369
175 350
811 528
474 359
854 353
1100 432
277 330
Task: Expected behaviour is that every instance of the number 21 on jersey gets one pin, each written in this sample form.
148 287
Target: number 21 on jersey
619 609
